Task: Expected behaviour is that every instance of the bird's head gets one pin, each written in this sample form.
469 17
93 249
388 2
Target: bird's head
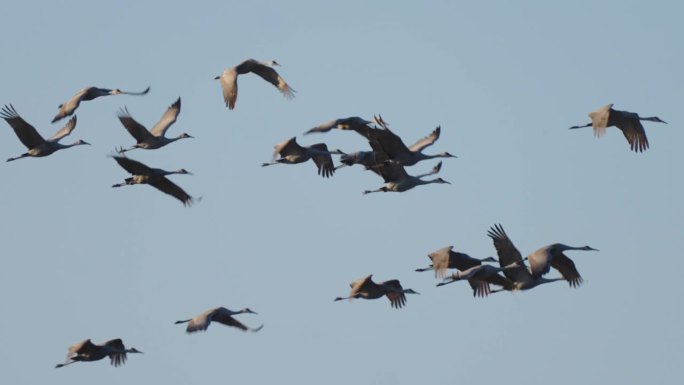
588 248
448 155
273 63
410 291
183 171
218 77
440 180
81 141
248 310
186 135
490 259
115 91
134 350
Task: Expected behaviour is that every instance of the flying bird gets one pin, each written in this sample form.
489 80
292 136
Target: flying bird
369 159
353 123
628 122
220 315
367 289
155 177
89 93
526 278
396 150
546 257
446 258
397 180
155 138
87 351
292 153
36 144
264 69
479 277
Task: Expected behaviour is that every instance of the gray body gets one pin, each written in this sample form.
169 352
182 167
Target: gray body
628 122
367 289
219 314
398 180
87 351
154 177
36 144
154 138
396 150
264 69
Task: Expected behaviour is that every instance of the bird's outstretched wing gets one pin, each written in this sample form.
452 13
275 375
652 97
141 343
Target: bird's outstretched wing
567 268
67 108
167 119
65 131
508 255
26 133
132 166
395 293
271 76
390 171
118 357
427 141
323 160
390 143
165 185
144 92
229 85
137 130
634 133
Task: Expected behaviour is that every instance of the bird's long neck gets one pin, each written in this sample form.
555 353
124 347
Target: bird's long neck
422 156
428 181
78 143
586 125
566 247
381 189
447 281
652 119
65 364
426 268
541 281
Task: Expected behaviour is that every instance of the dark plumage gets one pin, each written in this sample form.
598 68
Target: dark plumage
155 177
367 289
263 69
628 122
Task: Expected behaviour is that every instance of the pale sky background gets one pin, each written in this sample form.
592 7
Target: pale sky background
504 80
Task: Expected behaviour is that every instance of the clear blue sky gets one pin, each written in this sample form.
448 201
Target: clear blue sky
503 79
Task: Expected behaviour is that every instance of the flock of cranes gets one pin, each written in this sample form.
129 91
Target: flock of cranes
388 157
